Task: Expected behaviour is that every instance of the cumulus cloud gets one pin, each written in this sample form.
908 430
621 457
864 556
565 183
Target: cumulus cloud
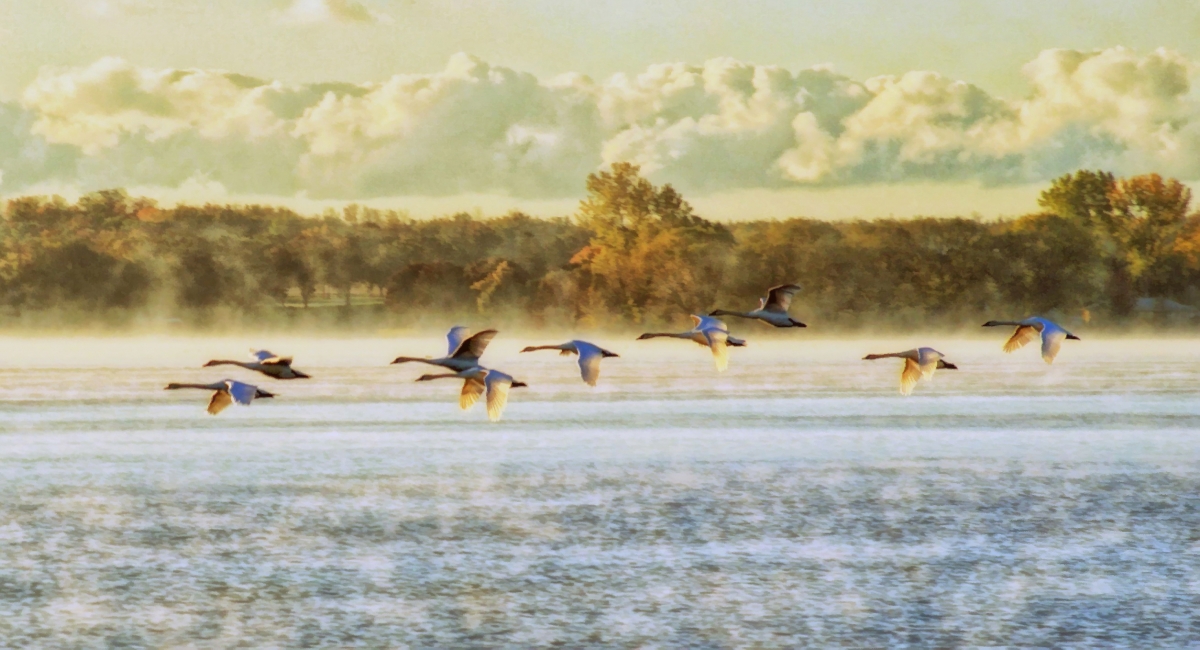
324 11
474 127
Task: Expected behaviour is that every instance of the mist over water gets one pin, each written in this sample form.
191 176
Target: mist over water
796 499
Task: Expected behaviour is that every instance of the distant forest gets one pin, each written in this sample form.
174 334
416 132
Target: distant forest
633 254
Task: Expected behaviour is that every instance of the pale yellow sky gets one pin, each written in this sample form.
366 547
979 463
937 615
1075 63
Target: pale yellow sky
983 41
775 107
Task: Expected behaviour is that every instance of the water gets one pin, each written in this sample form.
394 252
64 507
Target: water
795 500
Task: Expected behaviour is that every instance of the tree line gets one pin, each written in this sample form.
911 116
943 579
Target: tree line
633 254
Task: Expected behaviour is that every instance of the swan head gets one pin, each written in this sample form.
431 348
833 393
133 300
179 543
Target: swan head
529 348
172 386
991 323
1073 337
645 336
426 377
211 363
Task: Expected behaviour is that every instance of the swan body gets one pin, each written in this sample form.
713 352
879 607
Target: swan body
709 332
464 351
478 381
269 364
226 392
589 357
918 363
1052 335
772 310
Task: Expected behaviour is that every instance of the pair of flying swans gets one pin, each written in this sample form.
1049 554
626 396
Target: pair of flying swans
268 363
772 310
476 382
709 332
922 362
589 357
464 351
226 392
918 363
1029 329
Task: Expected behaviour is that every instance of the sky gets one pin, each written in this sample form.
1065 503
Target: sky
753 108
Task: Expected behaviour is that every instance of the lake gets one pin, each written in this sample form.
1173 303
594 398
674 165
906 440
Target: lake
796 499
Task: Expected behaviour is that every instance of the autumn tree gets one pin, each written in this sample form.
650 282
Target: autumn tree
1136 222
649 257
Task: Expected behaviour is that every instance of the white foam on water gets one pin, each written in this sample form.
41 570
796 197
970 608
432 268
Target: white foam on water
797 499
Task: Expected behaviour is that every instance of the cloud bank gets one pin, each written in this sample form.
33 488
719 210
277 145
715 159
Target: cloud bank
474 127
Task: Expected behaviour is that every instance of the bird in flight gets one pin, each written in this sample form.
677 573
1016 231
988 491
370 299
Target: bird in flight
772 310
226 392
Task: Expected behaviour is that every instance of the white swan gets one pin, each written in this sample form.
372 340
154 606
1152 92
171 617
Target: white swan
225 393
710 333
1027 330
477 381
772 310
918 363
269 364
589 357
464 351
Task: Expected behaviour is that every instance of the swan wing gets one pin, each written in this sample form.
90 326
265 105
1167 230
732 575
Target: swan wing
779 299
1023 335
472 390
909 376
708 322
498 384
219 402
455 337
472 347
717 342
1052 340
241 393
589 362
928 360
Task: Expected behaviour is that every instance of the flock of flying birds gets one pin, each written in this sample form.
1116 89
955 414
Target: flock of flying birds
478 381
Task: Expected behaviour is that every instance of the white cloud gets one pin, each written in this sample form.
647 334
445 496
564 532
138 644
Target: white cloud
109 8
474 127
325 11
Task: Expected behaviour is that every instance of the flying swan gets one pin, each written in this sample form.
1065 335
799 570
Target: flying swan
918 363
225 393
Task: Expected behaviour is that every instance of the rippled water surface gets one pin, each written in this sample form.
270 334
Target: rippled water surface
796 499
